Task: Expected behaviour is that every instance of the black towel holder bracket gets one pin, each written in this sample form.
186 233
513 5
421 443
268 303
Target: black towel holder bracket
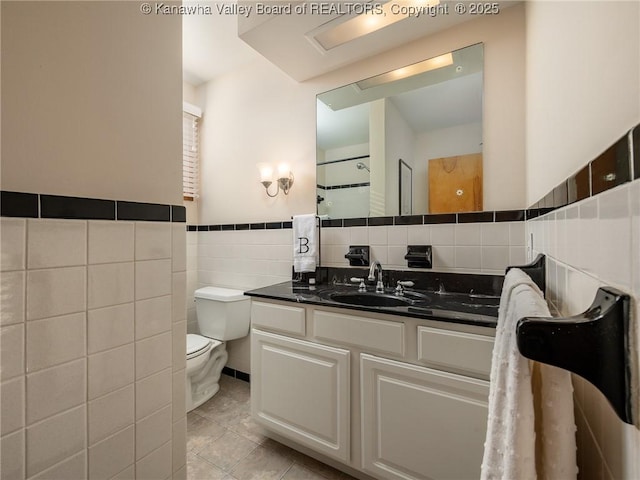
595 344
536 270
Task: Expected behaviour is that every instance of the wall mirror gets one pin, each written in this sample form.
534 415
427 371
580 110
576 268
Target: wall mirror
382 138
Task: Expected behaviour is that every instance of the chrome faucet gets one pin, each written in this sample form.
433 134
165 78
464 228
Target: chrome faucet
372 270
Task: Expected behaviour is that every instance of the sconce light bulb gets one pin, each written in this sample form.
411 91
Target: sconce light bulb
266 173
283 170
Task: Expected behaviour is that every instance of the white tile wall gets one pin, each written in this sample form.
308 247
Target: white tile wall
111 242
56 243
153 393
73 467
110 327
12 296
153 316
153 240
463 248
88 315
111 413
12 402
112 455
55 390
153 431
110 284
250 259
155 465
55 439
588 245
56 291
13 244
111 370
55 340
12 451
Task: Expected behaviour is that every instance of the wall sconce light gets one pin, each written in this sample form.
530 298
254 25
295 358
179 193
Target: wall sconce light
284 180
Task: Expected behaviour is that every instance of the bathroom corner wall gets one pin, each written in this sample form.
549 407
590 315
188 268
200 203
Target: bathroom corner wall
92 313
92 330
594 243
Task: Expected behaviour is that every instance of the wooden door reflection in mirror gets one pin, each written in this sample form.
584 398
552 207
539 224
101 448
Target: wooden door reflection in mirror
455 184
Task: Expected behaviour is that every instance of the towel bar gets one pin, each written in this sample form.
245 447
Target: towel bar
595 345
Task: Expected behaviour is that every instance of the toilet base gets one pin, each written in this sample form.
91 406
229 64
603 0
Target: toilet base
204 384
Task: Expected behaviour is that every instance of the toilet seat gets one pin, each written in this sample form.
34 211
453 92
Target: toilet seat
197 345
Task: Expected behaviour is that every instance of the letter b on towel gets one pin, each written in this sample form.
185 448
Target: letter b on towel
304 245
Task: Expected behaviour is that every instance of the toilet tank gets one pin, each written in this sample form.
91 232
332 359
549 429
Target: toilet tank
223 313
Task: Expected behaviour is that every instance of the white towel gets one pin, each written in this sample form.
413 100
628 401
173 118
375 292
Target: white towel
510 447
304 243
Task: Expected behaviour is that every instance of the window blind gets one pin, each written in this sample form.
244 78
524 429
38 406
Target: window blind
190 155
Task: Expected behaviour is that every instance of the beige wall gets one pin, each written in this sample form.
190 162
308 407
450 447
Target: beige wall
244 126
582 85
90 98
252 115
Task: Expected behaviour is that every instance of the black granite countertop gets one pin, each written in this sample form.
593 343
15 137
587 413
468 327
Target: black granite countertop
470 308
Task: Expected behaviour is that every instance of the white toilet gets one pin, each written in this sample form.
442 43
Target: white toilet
223 314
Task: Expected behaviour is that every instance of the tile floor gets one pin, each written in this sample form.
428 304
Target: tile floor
223 443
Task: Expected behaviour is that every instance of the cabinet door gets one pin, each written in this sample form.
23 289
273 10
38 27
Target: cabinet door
419 423
301 391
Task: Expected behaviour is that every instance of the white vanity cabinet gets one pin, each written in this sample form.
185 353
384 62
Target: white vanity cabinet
301 390
421 423
387 396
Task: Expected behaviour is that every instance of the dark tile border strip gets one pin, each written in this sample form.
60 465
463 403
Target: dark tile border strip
17 204
617 165
245 377
34 205
475 217
346 185
355 222
149 212
54 206
344 160
434 219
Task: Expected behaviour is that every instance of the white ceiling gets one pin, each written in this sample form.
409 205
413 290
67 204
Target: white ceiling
211 45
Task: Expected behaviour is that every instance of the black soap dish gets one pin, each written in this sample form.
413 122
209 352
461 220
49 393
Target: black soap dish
358 255
419 256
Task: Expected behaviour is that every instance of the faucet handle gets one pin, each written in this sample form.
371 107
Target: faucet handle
401 284
362 287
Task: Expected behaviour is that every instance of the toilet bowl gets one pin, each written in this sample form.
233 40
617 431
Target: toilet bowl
223 314
205 360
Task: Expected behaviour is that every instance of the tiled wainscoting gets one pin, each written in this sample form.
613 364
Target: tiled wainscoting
93 324
589 244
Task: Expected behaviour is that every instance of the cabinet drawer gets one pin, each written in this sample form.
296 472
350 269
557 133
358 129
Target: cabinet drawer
278 317
456 351
367 333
